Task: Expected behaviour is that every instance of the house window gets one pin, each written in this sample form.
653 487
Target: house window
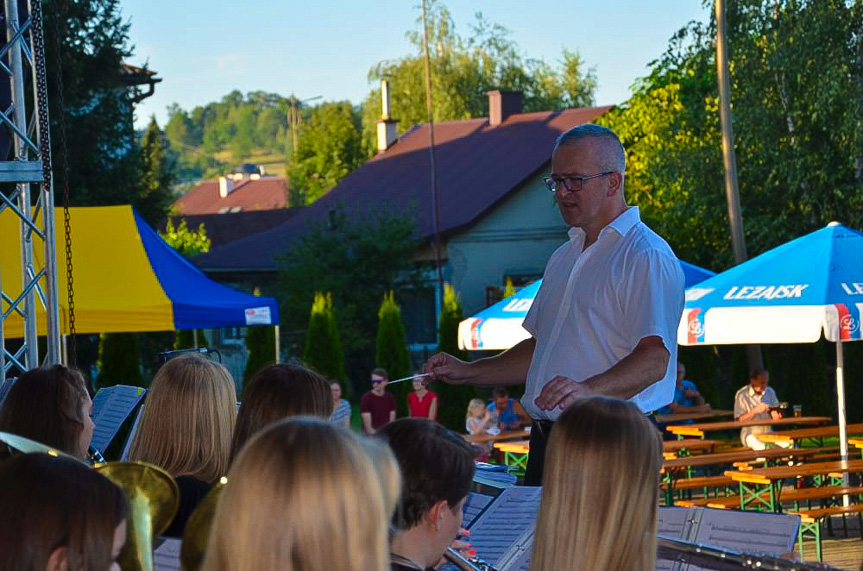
419 314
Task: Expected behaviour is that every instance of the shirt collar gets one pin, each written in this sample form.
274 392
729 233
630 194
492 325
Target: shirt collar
622 224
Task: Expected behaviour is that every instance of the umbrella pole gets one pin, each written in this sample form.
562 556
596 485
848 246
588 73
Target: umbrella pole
278 349
840 398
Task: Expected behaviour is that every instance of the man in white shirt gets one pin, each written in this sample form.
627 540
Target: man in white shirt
756 401
605 320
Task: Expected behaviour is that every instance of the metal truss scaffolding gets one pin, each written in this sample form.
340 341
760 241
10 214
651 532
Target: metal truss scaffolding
25 121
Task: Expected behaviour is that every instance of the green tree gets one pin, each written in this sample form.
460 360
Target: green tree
454 399
157 176
119 362
796 74
508 289
329 147
357 259
185 241
464 69
261 346
391 349
100 150
323 349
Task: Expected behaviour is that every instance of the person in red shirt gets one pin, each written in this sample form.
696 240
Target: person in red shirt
377 407
422 402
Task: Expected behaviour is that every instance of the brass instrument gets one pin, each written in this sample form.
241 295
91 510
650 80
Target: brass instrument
465 564
197 532
153 499
709 557
27 446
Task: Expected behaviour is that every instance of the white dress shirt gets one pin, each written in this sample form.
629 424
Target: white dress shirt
594 306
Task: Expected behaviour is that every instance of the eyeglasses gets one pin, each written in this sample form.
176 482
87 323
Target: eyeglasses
376 381
570 183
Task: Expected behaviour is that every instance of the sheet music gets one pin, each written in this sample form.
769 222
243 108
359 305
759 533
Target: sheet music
125 455
473 507
750 532
111 406
672 522
503 525
7 384
166 557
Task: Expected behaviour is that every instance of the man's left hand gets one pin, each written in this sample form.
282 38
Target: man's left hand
775 414
560 392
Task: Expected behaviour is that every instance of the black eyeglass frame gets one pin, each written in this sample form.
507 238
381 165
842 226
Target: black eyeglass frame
552 183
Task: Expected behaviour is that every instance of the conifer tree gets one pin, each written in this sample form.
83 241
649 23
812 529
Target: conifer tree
119 362
452 399
261 346
323 349
392 349
157 175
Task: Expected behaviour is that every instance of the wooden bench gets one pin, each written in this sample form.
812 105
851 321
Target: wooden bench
794 496
810 523
705 483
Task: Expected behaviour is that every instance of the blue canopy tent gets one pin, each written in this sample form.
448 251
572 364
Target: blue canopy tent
791 294
499 326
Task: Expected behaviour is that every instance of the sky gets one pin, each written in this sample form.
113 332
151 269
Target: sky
202 50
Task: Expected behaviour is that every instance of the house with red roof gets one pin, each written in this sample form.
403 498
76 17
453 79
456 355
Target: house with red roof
245 190
497 219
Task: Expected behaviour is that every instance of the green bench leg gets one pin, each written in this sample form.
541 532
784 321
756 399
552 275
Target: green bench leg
815 530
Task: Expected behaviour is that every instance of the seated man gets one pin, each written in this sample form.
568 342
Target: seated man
686 396
437 472
754 402
507 413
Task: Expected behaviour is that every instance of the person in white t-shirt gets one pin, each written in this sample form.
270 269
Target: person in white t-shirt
605 320
756 401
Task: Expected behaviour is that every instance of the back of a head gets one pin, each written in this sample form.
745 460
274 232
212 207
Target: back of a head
600 494
50 503
278 392
303 494
188 419
436 464
44 405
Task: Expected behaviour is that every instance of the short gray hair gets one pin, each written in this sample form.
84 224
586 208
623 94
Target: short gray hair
612 157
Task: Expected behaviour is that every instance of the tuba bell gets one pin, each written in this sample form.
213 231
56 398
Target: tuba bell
153 499
197 532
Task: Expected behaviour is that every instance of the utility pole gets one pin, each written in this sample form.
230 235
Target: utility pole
729 159
434 193
294 121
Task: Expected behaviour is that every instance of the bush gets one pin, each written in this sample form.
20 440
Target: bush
261 346
119 362
452 399
323 349
392 349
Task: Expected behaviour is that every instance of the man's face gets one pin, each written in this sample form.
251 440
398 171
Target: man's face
336 390
378 384
681 373
500 403
759 383
583 208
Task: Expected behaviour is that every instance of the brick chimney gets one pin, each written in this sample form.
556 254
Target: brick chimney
387 134
502 104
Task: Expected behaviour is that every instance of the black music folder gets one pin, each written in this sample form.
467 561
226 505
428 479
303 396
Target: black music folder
112 406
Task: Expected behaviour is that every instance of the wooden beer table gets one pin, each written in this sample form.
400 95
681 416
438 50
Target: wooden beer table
684 416
505 435
760 488
515 453
817 434
686 445
699 430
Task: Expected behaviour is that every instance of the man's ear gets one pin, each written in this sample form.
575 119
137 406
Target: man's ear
435 514
58 561
615 182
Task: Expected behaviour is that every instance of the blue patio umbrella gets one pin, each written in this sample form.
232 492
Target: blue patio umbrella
499 326
791 294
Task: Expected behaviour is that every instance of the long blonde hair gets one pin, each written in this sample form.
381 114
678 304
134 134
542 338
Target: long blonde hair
188 419
304 494
600 494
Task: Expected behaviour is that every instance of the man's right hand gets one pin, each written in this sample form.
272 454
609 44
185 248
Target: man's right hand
444 367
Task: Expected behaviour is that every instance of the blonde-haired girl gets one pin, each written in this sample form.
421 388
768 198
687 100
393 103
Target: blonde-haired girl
600 490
